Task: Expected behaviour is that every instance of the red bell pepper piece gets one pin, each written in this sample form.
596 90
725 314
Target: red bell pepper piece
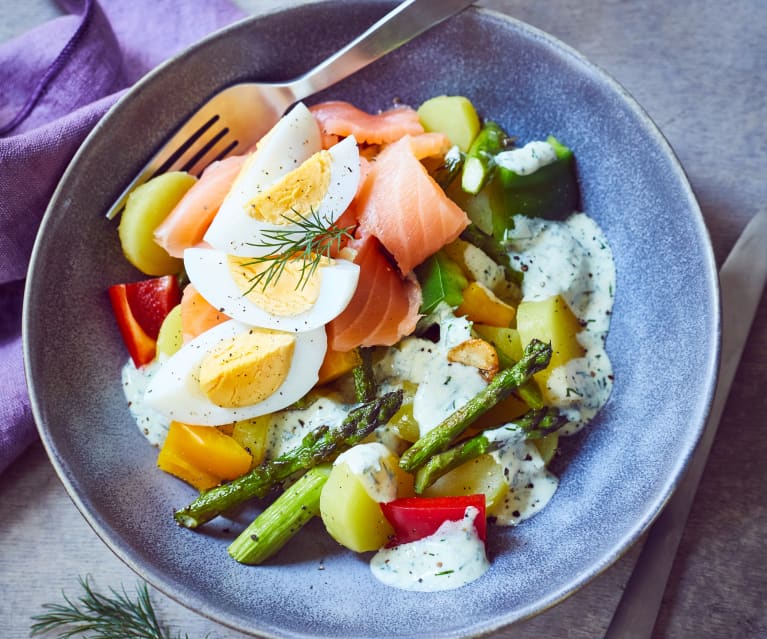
152 300
416 517
140 308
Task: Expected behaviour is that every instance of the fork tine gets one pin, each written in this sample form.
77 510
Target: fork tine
234 145
185 151
177 156
216 148
208 136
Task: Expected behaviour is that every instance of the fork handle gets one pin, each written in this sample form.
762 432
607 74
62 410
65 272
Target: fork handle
403 23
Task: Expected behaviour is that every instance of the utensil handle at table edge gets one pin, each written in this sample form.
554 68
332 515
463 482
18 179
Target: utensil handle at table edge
406 21
637 611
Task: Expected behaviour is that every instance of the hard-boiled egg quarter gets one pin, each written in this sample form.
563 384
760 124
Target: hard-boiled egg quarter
291 141
287 177
234 371
293 301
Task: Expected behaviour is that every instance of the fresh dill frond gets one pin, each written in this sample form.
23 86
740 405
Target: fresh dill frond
307 239
113 616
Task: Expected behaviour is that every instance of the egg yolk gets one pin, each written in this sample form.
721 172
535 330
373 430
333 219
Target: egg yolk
290 294
247 368
296 193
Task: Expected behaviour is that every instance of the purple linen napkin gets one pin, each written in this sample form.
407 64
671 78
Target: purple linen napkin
56 81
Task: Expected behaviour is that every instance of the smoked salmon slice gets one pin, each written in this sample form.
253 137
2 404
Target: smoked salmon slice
197 314
428 145
343 119
383 309
402 206
186 224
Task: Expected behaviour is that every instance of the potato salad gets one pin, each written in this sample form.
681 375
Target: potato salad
383 320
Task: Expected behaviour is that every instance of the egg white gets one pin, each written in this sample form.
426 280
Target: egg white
208 271
174 390
292 141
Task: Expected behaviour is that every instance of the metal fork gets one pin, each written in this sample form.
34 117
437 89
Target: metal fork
237 117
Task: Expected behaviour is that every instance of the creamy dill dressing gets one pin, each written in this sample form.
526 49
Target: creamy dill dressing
450 558
527 159
288 427
531 485
365 461
152 424
572 259
443 386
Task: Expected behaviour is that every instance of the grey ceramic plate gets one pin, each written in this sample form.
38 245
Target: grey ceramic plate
614 477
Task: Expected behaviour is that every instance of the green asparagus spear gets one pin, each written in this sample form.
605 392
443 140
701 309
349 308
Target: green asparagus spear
535 358
364 379
282 519
530 393
449 169
319 446
532 425
479 162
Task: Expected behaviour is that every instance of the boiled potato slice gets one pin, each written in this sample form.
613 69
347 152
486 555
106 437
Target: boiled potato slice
147 206
351 515
170 338
252 435
402 422
453 115
480 475
475 263
507 343
550 320
547 446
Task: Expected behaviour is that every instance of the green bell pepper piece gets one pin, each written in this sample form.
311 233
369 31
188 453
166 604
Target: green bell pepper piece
550 192
442 280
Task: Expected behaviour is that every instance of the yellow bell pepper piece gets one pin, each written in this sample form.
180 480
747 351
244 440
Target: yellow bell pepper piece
337 363
200 455
172 463
481 305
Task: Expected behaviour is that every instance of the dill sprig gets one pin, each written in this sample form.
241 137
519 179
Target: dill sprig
114 616
307 238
